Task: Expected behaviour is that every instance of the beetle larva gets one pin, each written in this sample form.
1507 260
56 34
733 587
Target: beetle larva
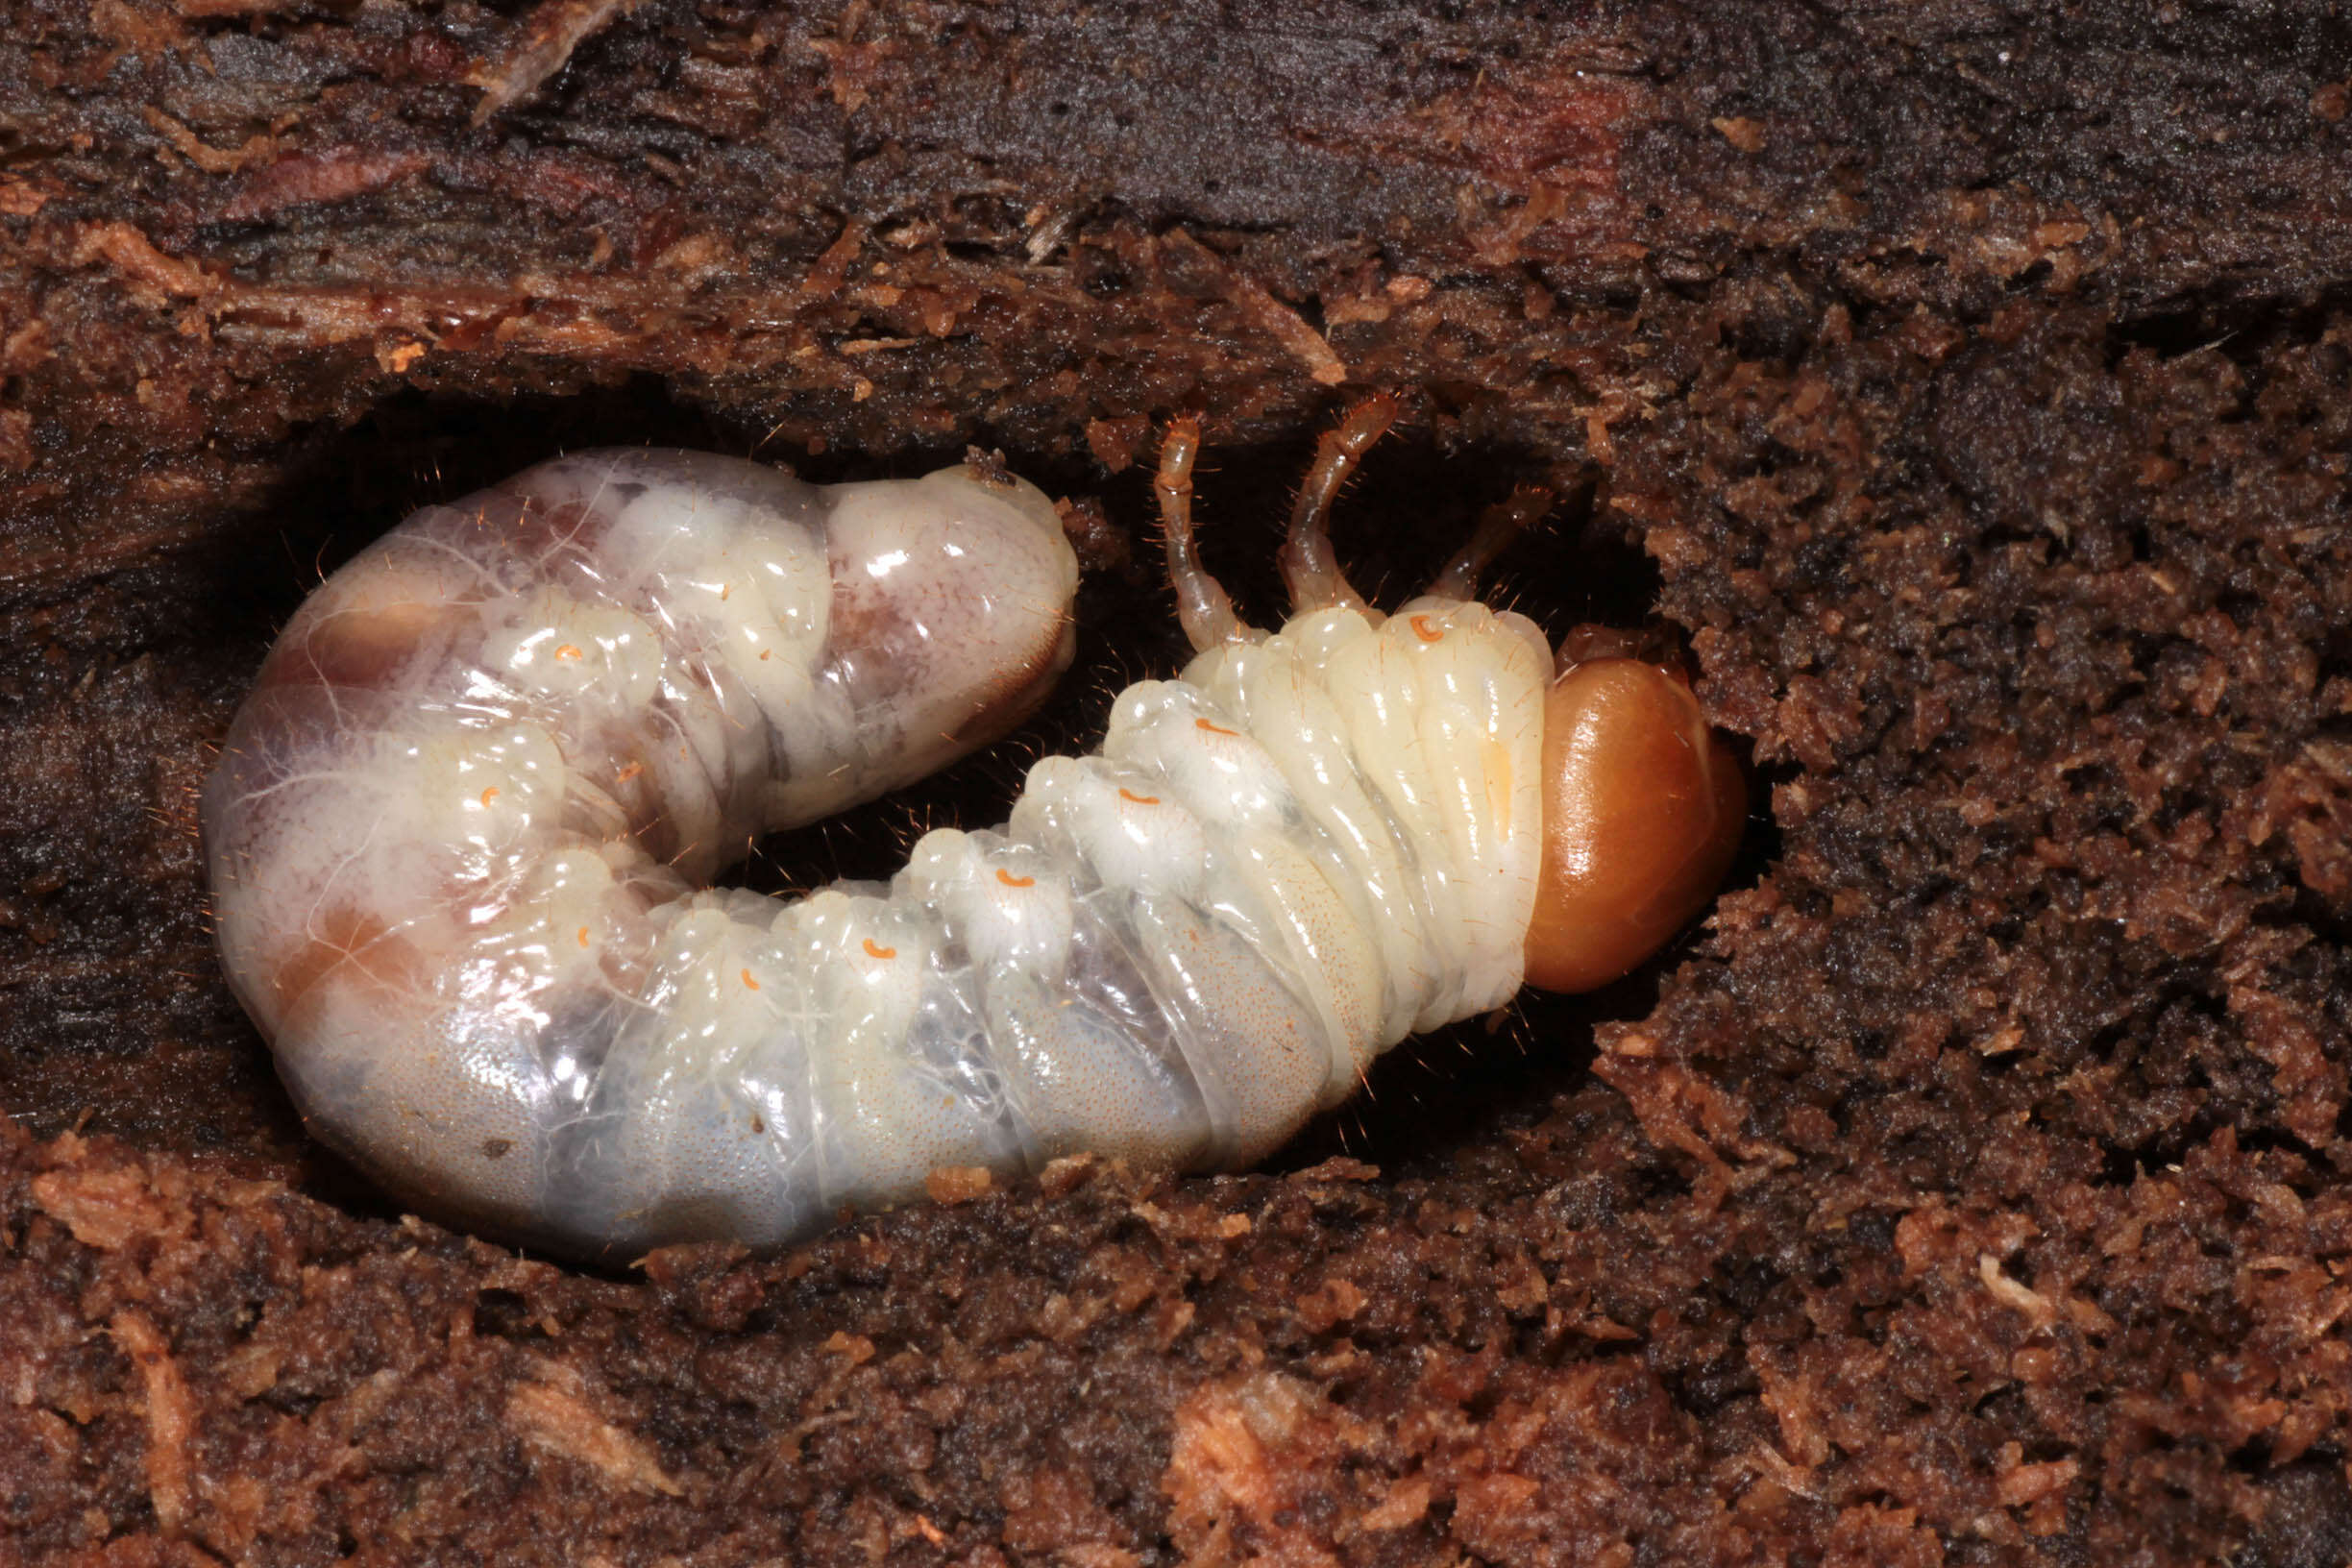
461 833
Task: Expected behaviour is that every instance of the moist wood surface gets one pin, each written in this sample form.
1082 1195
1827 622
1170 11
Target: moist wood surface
1968 386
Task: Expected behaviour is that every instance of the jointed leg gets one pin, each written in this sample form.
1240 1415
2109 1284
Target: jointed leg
1203 609
1308 566
1497 526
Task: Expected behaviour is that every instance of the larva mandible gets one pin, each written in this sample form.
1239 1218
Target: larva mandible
461 833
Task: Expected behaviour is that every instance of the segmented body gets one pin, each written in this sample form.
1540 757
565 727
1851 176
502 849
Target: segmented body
461 833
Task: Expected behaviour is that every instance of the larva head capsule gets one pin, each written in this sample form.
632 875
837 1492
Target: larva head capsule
1642 810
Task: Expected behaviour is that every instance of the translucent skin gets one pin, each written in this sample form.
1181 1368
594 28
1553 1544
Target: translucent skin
1643 809
454 829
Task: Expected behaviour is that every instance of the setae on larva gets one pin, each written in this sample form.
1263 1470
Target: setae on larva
461 833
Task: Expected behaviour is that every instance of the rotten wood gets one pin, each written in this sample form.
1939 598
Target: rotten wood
1957 381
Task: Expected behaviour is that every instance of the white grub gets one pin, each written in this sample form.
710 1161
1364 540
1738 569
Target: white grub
462 834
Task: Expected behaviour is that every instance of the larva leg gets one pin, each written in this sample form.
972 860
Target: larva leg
1497 526
1308 565
1203 607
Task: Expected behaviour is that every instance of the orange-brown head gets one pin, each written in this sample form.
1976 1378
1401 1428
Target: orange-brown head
1642 809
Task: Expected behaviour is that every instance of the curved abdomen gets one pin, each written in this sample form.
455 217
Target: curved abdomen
453 827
